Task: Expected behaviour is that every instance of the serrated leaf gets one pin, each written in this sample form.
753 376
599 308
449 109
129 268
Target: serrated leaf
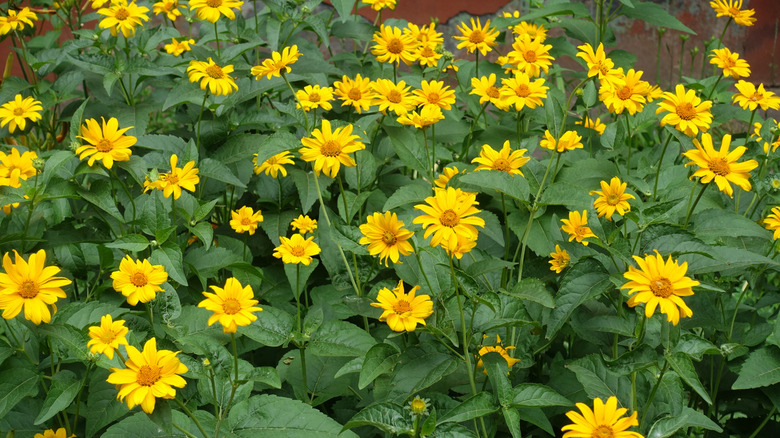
130 242
214 169
761 368
273 327
408 194
655 14
585 281
74 340
476 406
340 338
16 384
386 416
683 366
269 415
669 425
532 395
64 387
379 359
170 258
492 181
532 289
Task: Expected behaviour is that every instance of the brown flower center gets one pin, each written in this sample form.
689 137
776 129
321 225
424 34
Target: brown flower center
331 148
582 230
389 238
686 111
427 52
355 94
661 287
401 307
139 279
314 97
28 289
395 46
172 178
756 96
530 56
215 72
502 165
121 14
433 97
104 145
394 96
603 431
729 63
148 375
18 111
719 166
624 93
522 90
476 37
603 68
449 218
492 92
214 3
231 306
107 337
613 199
297 251
246 221
734 11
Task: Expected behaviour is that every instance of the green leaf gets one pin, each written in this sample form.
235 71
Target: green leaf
418 369
670 424
16 384
75 125
130 242
214 169
99 195
497 369
206 263
512 420
474 407
64 387
492 181
597 380
340 338
571 195
169 256
73 340
154 215
761 368
379 359
266 375
268 146
273 327
204 232
532 289
137 425
307 188
532 395
683 366
408 194
409 147
714 224
344 8
585 281
298 274
103 408
655 14
565 8
386 416
184 92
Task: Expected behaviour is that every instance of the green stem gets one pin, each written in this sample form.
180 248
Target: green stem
653 391
720 40
216 37
295 96
763 423
504 274
192 417
568 105
200 117
531 215
298 296
693 207
78 397
714 86
628 143
476 66
658 170
217 408
430 158
343 199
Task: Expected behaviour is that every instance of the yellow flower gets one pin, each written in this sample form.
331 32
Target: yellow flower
245 220
378 5
506 160
148 375
16 167
595 125
425 35
560 259
428 115
532 30
211 10
139 280
168 7
485 88
313 97
392 46
356 92
655 92
750 97
772 222
756 135
612 198
278 62
403 311
210 75
30 285
498 348
392 96
521 92
734 10
385 235
15 20
108 336
418 406
15 113
175 180
660 284
530 56
730 63
449 214
232 305
687 112
274 165
626 93
123 17
463 246
597 62
296 249
577 227
605 420
50 433
176 48
330 149
435 93
444 177
477 37
720 165
106 143
427 54
304 224
569 141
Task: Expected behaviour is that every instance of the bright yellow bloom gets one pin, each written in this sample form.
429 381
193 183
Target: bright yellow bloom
772 222
560 259
730 63
15 113
106 142
418 406
296 249
756 135
330 149
720 165
211 10
378 5
178 178
16 167
477 37
278 62
304 224
427 55
428 115
274 165
444 177
50 433
655 92
521 92
577 227
597 62
435 93
245 219
15 20
463 246
123 17
449 214
210 75
750 97
108 336
605 420
313 97
385 235
403 311
500 349
356 92
569 141
734 10
530 56
687 112
232 305
626 93
30 285
612 198
532 30
595 125
660 284
391 45
392 96
506 160
148 375
425 35
176 48
168 7
139 280
485 88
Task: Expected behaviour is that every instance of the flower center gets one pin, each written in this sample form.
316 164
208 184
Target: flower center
686 111
138 279
246 221
18 111
314 97
476 37
394 96
603 68
582 230
719 166
530 56
502 165
231 306
733 11
661 287
121 14
148 375
449 218
427 52
297 251
624 93
395 46
401 307
433 97
108 337
613 199
104 145
28 289
355 94
493 92
331 148
729 63
215 72
172 178
522 90
418 406
389 238
603 431
756 97
214 3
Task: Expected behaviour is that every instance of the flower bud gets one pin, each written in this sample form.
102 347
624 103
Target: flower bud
38 163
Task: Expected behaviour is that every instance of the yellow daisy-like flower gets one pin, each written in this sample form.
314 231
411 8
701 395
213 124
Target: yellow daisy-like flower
168 7
605 420
427 55
176 48
148 375
750 97
530 56
232 305
477 37
655 92
569 141
296 249
612 198
577 227
730 63
721 165
435 93
211 75
391 45
627 93
734 10
16 167
178 178
772 222
15 20
211 10
595 125
532 30
378 5
444 177
304 224
521 92
687 112
464 246
274 165
506 160
15 113
660 284
356 92
138 280
597 62
108 336
278 62
30 285
485 88
425 35
385 235
330 149
245 219
106 142
123 17
428 115
498 348
560 259
755 135
449 213
392 96
314 96
418 406
403 311
50 433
